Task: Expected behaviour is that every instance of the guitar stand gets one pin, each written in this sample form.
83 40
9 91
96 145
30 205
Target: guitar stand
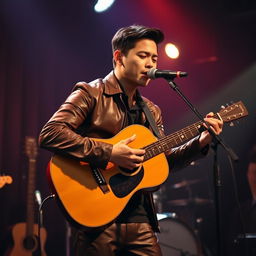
40 220
40 224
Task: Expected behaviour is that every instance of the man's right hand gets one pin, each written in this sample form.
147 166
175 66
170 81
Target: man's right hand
127 157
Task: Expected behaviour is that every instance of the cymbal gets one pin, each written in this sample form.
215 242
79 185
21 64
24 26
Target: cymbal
190 201
186 183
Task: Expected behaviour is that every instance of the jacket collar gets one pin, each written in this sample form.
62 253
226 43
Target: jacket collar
112 85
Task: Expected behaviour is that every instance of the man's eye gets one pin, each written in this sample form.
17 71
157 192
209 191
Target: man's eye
142 56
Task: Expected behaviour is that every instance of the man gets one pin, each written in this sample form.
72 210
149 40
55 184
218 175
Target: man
101 109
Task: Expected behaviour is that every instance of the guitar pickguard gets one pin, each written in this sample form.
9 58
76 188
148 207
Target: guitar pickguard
123 185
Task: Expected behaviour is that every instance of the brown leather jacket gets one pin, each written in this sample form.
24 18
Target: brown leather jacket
97 110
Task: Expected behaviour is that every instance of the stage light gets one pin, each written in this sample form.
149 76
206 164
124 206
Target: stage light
172 51
103 5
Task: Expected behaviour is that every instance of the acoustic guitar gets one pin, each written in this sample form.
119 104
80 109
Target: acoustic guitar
25 235
93 197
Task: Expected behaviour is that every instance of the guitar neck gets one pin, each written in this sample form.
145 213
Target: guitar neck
31 152
227 114
30 197
173 140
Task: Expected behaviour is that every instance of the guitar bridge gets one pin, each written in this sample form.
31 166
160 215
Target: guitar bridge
100 180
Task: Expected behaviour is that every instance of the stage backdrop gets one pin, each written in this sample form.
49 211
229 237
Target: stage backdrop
47 46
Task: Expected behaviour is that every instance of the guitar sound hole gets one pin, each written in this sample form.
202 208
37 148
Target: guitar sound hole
30 243
122 185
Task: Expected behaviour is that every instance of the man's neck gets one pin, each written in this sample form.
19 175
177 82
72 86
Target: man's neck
129 89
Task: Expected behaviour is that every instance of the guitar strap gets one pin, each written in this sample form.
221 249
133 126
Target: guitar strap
148 115
151 206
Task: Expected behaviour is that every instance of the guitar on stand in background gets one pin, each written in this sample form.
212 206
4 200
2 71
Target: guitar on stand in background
25 234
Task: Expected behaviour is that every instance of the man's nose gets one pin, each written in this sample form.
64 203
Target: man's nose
150 63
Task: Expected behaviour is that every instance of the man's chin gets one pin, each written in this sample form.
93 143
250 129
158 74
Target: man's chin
144 82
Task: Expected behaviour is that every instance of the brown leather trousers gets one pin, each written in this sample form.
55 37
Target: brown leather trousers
129 239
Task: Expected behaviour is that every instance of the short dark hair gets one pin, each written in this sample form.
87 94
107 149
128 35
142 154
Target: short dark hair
126 37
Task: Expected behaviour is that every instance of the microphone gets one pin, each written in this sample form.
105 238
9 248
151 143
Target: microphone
154 73
38 197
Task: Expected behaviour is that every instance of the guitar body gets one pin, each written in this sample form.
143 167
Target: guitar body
20 241
84 200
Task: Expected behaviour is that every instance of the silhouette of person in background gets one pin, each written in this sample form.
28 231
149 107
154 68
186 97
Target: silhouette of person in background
236 242
251 176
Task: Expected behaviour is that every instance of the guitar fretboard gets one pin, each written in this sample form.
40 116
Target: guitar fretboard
31 152
30 197
173 140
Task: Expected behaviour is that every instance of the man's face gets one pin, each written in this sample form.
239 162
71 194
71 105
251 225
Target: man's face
138 61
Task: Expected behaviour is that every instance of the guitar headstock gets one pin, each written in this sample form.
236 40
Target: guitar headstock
233 112
31 147
5 180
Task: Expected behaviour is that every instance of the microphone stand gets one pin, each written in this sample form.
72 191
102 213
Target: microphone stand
217 177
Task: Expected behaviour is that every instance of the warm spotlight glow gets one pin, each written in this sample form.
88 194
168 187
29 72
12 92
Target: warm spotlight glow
103 5
172 51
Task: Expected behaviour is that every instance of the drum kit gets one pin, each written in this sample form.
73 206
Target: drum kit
178 236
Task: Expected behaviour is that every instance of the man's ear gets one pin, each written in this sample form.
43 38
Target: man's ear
117 55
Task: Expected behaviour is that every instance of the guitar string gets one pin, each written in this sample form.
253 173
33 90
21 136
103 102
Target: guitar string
171 140
186 131
172 136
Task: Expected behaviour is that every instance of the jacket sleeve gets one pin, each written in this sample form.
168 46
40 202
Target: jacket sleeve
60 135
183 155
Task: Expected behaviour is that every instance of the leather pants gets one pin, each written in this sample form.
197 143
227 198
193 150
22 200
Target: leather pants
118 239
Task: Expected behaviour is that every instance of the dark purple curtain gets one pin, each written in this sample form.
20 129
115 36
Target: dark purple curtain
47 46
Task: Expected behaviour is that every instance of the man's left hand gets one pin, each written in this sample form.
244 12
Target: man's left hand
215 125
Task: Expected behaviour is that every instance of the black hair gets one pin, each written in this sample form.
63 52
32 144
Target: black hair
126 37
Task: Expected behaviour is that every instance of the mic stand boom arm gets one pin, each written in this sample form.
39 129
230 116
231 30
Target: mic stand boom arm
217 178
216 138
